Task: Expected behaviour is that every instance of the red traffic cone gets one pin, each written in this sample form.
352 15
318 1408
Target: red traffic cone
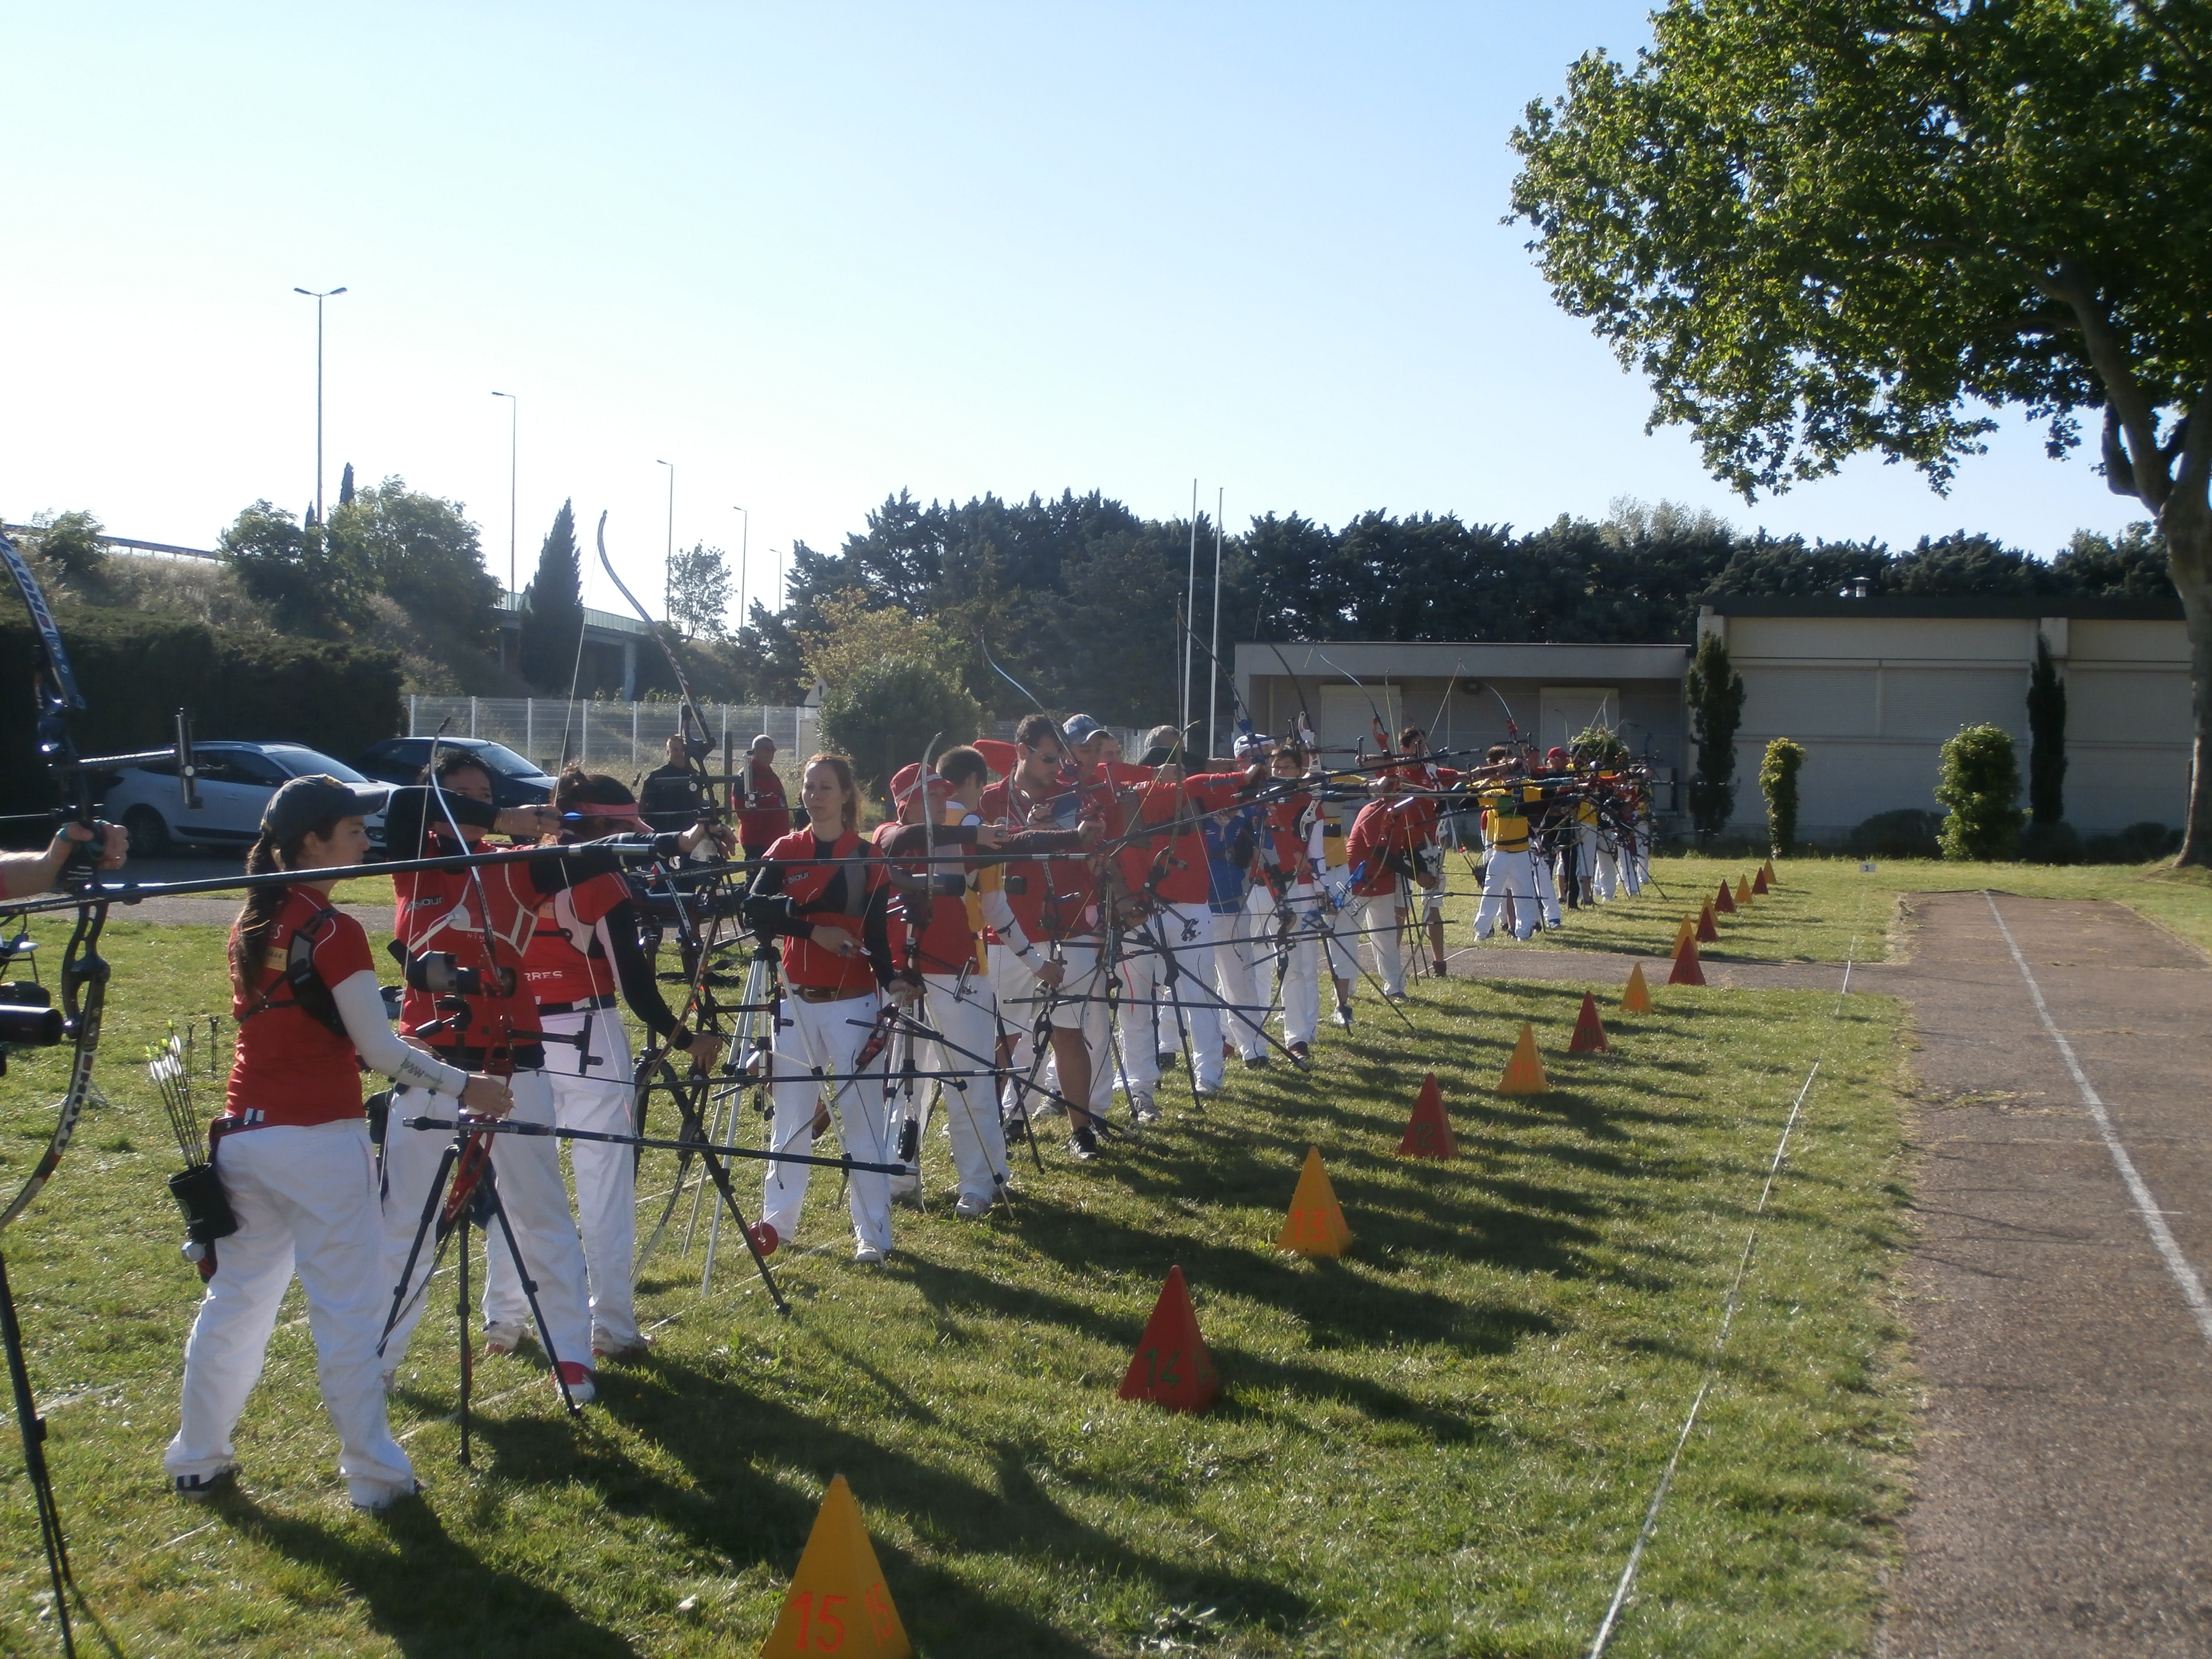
1171 1367
1590 1030
1708 931
1686 969
1758 881
1429 1132
1724 902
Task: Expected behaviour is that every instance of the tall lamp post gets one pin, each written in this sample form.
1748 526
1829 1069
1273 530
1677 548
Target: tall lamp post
513 431
318 297
668 554
744 544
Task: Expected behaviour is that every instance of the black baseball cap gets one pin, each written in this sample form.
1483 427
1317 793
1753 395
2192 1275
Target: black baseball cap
304 802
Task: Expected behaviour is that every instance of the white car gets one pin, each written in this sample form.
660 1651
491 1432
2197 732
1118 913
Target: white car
235 782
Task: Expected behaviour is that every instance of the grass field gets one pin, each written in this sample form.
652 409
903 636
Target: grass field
1822 903
1442 1445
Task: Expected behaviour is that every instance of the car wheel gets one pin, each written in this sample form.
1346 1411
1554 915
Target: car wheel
149 832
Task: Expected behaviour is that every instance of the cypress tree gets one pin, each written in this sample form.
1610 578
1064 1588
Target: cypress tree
553 607
2046 732
1714 692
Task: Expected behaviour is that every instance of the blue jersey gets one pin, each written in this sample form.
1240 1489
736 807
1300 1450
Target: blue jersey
1229 844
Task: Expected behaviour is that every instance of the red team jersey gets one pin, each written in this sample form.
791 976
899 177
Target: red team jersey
438 910
833 894
290 1066
566 961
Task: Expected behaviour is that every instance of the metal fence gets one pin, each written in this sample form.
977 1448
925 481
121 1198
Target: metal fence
618 738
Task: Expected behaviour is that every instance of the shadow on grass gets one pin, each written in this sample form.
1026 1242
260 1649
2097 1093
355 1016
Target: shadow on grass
429 1592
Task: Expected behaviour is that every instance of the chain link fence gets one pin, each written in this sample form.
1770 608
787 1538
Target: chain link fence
622 738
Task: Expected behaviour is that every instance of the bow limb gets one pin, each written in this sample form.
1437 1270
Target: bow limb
1373 715
696 742
83 972
1305 715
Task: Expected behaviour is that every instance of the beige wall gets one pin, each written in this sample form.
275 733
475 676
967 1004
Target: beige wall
1873 700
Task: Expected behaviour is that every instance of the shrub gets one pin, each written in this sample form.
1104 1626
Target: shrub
885 712
1908 832
1980 783
2050 843
1714 692
2139 843
1777 783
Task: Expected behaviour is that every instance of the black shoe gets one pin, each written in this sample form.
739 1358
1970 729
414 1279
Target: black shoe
1166 1059
1014 1130
1257 1063
199 1488
1301 1055
1082 1145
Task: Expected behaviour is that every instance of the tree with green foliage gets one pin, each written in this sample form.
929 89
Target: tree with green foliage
1827 227
1715 692
310 586
2046 736
419 550
699 592
885 712
70 544
1980 785
552 621
1777 786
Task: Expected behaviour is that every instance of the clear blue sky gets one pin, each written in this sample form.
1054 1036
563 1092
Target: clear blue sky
815 254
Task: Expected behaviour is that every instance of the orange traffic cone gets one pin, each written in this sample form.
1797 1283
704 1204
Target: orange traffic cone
1171 1367
1724 902
1772 879
1742 891
1686 932
1686 970
1590 1030
1758 881
1637 999
1429 1132
837 1601
1316 1226
1708 931
1524 1071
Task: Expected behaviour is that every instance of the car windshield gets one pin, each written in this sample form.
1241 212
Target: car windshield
300 761
506 762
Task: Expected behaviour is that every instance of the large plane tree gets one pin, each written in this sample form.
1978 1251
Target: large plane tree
1827 226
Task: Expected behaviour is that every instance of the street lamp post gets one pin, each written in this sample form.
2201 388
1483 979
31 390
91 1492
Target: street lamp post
668 555
744 544
513 431
318 297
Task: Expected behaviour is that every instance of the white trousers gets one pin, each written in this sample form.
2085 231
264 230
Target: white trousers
1547 896
965 1017
305 1204
1310 935
1508 875
1080 1005
1192 934
591 1089
527 1170
1605 865
1378 917
814 1040
1236 977
1141 973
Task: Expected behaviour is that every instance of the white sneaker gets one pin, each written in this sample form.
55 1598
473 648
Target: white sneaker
969 1208
1143 1110
607 1346
376 1500
504 1336
581 1389
868 1255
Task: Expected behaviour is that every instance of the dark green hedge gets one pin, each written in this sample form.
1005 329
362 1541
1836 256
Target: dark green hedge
136 668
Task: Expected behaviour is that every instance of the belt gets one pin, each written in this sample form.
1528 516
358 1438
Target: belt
522 1056
585 1006
829 994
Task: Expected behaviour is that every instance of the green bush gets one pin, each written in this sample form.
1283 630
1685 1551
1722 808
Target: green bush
2139 843
136 668
1909 833
1777 783
1980 783
885 713
2050 843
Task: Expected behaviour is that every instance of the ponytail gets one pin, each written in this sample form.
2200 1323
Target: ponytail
257 917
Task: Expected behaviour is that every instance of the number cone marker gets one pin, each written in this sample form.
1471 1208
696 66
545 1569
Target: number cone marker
1758 881
1171 1367
837 1602
1687 970
1316 1226
1637 999
1742 891
1590 1030
1724 902
1524 1072
1684 934
1708 931
1428 1132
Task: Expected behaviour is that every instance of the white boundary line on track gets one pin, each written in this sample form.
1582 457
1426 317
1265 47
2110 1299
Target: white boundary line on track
2184 1275
1728 1306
